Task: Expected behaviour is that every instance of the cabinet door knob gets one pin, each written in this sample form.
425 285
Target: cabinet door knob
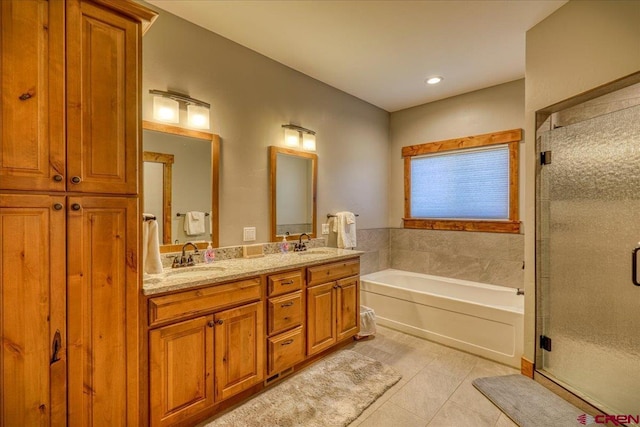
219 321
75 207
76 179
57 206
25 96
57 178
210 323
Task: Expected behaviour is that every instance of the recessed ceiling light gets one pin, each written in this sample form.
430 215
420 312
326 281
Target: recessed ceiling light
433 80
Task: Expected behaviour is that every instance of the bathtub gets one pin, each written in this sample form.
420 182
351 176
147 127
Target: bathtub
482 319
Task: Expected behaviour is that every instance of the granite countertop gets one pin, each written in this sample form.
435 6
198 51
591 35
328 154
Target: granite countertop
173 279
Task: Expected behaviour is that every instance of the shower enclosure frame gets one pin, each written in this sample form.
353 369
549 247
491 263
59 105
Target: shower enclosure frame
543 117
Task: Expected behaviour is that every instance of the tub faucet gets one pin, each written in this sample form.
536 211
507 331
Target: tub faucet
184 261
299 247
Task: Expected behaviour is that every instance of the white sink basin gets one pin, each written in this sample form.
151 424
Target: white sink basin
195 271
312 252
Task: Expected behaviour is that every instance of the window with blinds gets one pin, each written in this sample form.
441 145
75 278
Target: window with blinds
465 184
468 184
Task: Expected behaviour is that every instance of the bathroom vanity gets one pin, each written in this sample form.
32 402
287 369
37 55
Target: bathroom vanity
218 333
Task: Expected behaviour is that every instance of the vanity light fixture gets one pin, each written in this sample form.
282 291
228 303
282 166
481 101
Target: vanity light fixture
166 109
295 135
434 80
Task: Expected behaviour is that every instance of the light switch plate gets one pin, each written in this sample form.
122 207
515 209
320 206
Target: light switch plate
325 228
249 234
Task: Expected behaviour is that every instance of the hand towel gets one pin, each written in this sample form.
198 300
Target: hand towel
345 227
151 263
194 223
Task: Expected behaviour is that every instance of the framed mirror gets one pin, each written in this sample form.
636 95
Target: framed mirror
293 181
181 169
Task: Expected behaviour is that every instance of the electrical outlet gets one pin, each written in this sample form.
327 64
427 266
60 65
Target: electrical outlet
249 234
325 228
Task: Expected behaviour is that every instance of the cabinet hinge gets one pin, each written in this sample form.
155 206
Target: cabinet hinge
545 343
545 158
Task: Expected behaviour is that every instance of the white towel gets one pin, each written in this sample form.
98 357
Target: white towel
345 228
151 263
194 223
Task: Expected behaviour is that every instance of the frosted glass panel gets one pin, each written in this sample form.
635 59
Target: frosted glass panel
589 222
469 184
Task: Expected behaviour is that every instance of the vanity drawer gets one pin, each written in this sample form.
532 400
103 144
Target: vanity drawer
285 312
285 350
329 272
183 304
285 282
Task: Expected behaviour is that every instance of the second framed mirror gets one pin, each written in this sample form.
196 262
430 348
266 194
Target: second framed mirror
293 178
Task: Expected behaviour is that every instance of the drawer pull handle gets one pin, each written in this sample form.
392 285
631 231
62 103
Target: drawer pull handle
287 304
288 282
25 96
287 342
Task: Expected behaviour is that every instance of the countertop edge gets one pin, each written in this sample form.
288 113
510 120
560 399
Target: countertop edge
190 284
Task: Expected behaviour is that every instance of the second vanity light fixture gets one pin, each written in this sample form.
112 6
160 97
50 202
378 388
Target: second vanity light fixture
295 136
166 108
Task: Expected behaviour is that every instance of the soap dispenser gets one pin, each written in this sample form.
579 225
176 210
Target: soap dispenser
209 254
284 246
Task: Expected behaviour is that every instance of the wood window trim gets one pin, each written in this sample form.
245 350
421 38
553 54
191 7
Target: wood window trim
510 137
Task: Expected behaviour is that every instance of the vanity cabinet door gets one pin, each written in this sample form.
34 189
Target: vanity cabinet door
321 317
348 307
103 113
181 370
239 349
103 314
32 311
32 138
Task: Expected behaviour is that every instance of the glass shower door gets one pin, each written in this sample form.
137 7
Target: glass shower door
588 225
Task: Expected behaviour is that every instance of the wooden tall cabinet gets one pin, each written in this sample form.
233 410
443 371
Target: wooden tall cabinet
32 107
32 310
69 212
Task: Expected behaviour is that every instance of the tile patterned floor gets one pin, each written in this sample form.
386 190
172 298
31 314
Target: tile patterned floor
435 389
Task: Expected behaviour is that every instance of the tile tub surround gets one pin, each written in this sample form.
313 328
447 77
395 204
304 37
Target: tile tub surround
494 258
374 243
172 279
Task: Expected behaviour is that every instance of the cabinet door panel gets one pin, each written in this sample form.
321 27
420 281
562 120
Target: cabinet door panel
348 307
321 315
32 310
181 370
32 95
239 349
104 370
102 95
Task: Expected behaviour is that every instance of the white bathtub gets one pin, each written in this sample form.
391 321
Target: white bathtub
483 319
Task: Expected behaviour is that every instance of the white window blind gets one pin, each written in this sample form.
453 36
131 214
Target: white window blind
466 184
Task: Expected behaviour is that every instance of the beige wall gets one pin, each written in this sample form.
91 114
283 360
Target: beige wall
250 97
488 110
584 44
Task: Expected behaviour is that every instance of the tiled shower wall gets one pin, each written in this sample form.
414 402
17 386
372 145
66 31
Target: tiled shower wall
495 258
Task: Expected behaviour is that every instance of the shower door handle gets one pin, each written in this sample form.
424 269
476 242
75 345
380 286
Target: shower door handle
634 266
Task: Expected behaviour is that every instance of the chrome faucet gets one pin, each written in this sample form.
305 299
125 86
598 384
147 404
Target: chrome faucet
299 247
184 261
